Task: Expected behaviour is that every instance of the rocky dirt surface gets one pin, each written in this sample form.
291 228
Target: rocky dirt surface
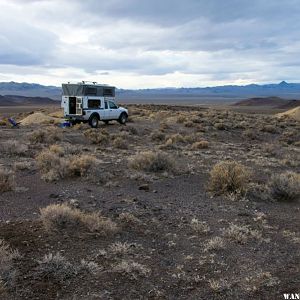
175 237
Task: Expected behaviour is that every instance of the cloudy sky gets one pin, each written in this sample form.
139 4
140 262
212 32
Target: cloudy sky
157 43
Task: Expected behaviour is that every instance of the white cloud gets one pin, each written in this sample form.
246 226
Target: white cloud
140 43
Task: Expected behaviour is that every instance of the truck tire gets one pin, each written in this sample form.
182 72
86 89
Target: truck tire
94 120
123 118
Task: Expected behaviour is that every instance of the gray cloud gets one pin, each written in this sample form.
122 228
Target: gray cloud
219 40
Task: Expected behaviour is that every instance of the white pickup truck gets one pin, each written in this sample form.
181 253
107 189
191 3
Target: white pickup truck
84 102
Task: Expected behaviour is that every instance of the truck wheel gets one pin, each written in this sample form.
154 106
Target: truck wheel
94 121
123 118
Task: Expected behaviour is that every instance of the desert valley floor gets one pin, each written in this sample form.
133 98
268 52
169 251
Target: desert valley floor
181 203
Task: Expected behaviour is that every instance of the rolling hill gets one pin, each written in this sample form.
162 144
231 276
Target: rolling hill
15 100
274 102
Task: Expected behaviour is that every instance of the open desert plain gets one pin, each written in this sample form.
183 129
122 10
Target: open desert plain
182 202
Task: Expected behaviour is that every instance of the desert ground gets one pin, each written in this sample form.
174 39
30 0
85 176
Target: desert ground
183 202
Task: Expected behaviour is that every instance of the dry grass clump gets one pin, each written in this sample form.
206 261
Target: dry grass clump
96 136
7 257
120 143
199 227
22 165
285 186
120 249
63 218
152 162
258 280
269 129
13 147
79 165
80 126
57 149
200 145
130 129
220 126
181 119
157 136
218 285
250 134
189 124
131 269
3 122
214 244
128 219
49 136
57 267
52 166
7 180
241 233
229 176
55 166
173 140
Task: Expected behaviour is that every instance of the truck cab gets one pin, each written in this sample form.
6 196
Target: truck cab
91 102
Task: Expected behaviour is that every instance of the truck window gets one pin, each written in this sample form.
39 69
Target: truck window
94 103
112 105
105 105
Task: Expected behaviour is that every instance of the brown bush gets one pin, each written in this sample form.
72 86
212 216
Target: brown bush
22 165
120 143
181 119
200 145
285 186
52 166
96 136
79 165
49 136
189 124
250 134
55 167
131 268
57 149
228 176
128 219
7 257
242 233
157 136
7 180
62 218
57 267
152 162
3 122
13 147
220 126
269 129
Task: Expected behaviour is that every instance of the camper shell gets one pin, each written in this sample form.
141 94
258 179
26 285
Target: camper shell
91 102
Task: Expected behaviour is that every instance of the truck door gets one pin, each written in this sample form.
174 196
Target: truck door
113 110
106 111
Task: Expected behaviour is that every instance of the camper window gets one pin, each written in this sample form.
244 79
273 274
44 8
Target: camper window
90 91
94 103
108 92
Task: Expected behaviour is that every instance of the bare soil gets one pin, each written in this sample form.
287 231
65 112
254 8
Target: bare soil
162 239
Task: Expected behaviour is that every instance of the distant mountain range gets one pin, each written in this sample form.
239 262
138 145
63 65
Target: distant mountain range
29 90
227 92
